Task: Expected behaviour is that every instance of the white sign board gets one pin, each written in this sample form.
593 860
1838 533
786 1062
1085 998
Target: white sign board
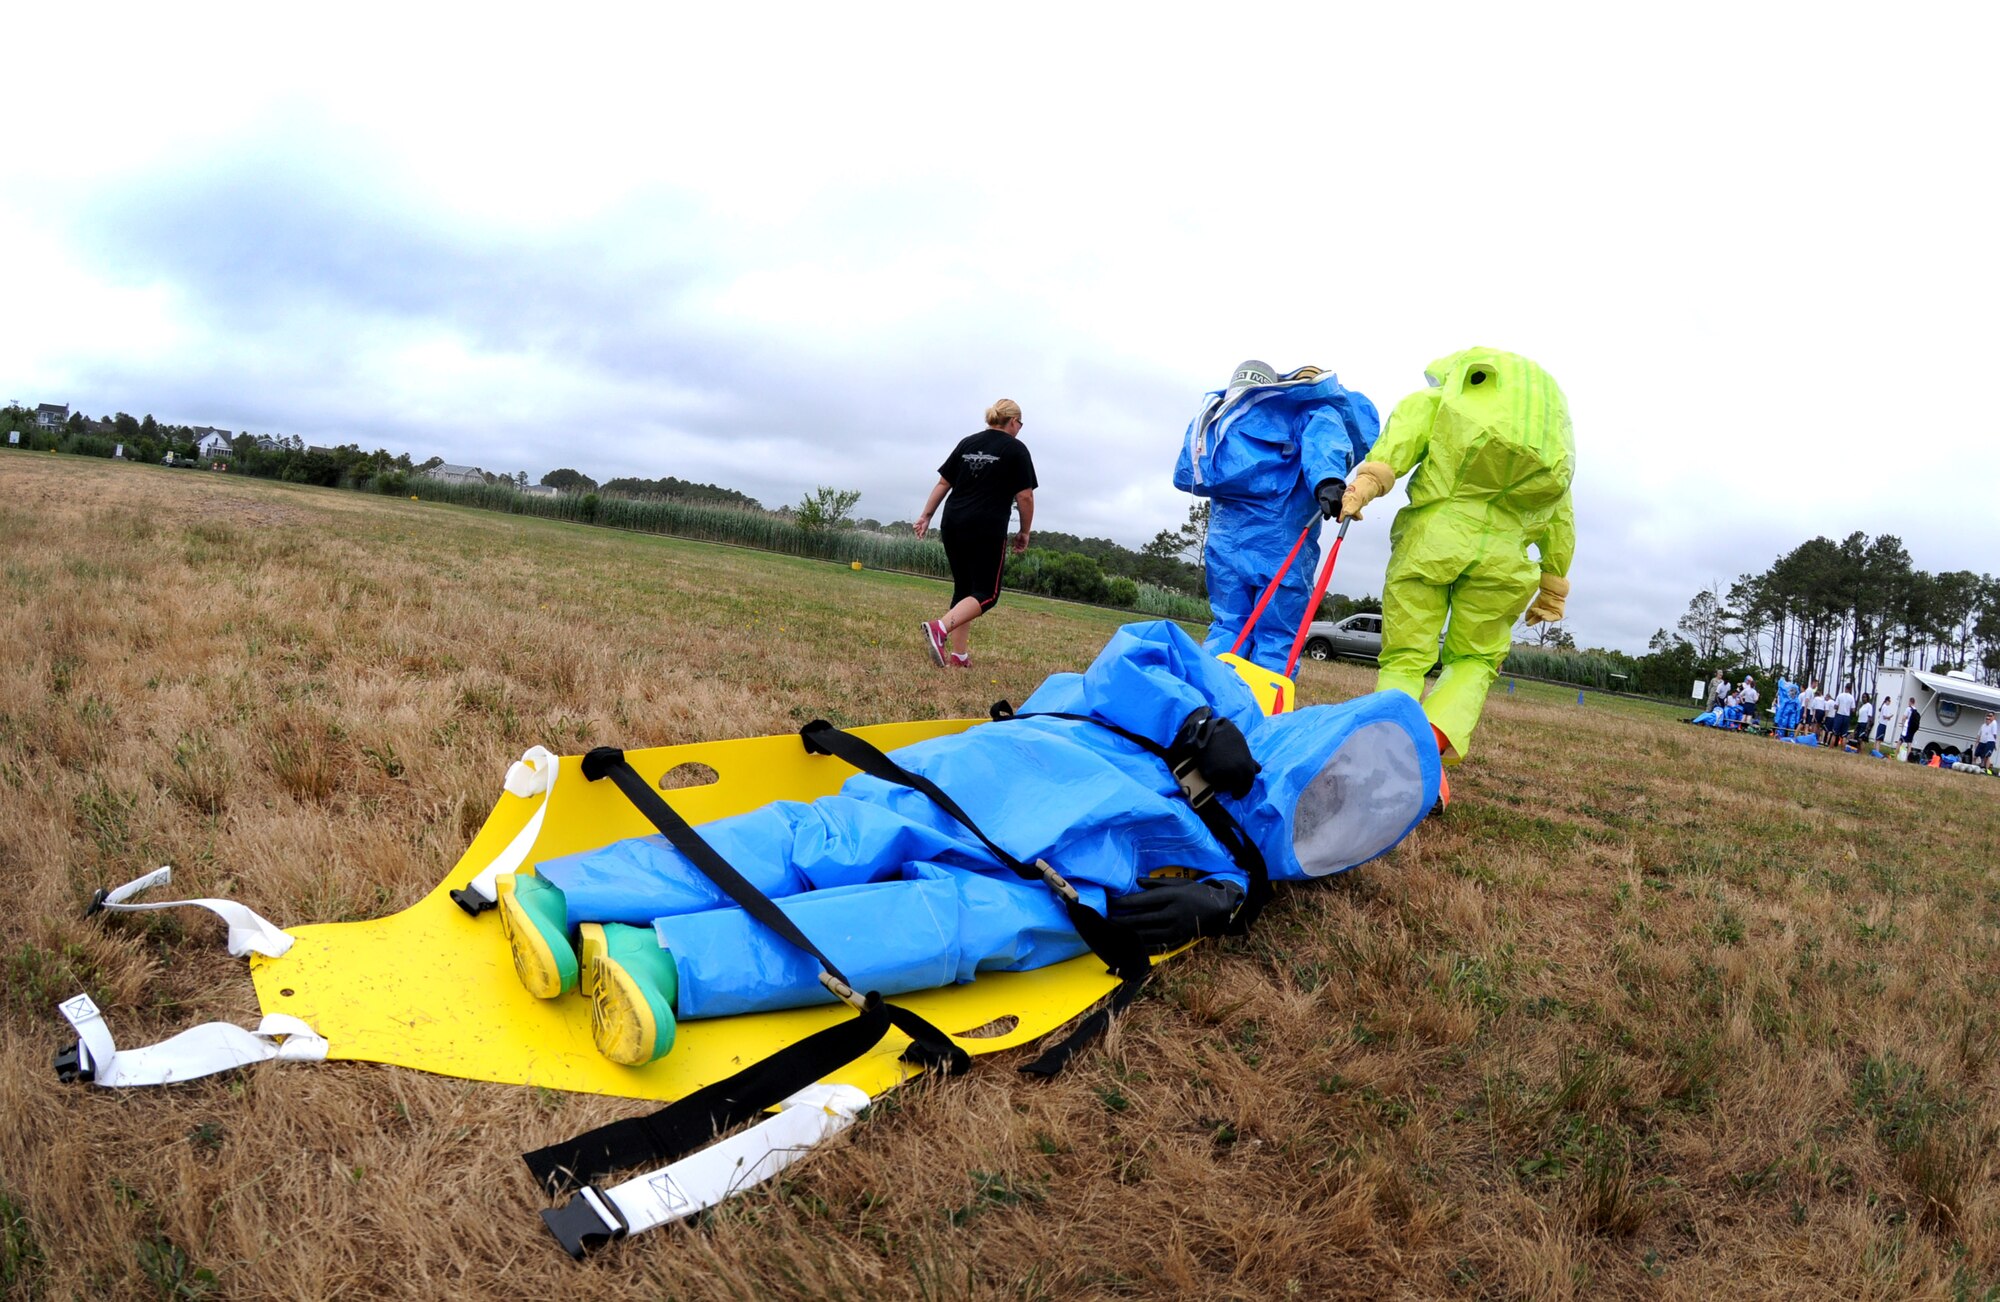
1700 689
14 436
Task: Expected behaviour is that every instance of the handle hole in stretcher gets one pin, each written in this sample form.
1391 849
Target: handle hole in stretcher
691 774
992 1030
288 993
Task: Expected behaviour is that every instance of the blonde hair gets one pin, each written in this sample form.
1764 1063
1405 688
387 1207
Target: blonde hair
1001 412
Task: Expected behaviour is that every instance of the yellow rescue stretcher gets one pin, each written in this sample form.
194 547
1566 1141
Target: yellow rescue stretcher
433 987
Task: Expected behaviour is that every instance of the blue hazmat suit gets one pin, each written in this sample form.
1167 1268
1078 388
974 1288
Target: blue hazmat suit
1729 716
1789 709
1256 453
902 897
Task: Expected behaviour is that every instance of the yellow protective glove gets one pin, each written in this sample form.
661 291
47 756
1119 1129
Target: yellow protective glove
1547 607
1369 481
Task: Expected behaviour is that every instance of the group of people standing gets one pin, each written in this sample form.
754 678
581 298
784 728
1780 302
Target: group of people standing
1828 718
1490 453
1806 712
1735 704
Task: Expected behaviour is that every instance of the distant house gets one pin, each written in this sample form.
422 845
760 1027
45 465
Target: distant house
542 490
265 443
451 474
50 416
212 443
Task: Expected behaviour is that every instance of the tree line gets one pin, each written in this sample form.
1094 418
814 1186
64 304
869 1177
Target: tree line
1059 564
268 457
1829 612
670 486
1837 612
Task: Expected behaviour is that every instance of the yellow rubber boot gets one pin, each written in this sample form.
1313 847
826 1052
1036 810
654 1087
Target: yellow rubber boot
535 922
632 986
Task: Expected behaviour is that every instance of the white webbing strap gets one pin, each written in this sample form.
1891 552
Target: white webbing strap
534 774
248 933
701 1180
743 1160
200 1051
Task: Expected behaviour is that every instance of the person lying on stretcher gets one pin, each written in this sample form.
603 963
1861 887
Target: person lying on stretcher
903 897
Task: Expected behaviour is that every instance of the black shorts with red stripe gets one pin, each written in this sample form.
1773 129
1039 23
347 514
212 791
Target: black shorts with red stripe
978 555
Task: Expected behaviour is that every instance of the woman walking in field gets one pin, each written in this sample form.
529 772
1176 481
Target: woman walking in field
987 475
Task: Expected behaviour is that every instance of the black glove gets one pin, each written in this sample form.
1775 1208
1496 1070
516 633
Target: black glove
1329 493
1167 912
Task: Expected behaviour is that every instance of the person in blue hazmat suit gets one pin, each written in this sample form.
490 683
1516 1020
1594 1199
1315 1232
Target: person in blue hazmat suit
903 897
1270 453
1722 716
1789 709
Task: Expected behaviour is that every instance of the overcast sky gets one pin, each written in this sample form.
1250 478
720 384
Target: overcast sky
1753 244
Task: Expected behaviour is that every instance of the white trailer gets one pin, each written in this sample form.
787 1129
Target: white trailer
1950 709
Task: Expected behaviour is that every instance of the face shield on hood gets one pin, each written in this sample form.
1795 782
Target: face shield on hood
1464 369
1341 784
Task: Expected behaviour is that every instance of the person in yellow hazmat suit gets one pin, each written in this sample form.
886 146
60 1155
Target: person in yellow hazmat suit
1494 455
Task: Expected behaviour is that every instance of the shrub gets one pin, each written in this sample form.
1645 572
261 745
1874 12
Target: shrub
87 445
825 508
1057 574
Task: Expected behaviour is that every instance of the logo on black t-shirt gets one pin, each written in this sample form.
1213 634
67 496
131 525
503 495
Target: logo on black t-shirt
977 461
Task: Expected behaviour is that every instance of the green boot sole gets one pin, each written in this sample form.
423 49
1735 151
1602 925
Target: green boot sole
532 917
632 984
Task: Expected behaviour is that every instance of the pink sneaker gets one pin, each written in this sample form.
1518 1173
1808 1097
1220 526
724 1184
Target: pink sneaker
934 634
958 661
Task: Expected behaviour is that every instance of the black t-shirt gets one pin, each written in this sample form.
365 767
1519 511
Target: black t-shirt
985 472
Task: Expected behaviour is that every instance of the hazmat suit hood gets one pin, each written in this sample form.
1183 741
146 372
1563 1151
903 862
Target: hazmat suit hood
1339 784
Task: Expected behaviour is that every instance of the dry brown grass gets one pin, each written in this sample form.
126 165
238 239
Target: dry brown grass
1652 1012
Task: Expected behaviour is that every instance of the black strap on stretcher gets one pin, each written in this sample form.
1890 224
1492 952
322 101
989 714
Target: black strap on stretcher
1225 829
1217 819
691 1122
1128 958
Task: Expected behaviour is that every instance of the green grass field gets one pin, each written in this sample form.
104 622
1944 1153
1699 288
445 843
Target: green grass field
1559 694
1651 1011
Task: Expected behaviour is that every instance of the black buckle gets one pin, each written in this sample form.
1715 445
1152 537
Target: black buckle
579 1225
71 1065
471 901
97 902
